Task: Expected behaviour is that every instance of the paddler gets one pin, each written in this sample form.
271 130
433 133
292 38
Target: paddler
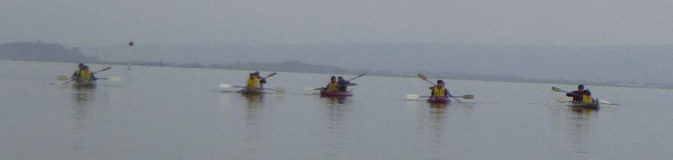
83 74
581 95
332 86
252 82
439 90
342 84
262 80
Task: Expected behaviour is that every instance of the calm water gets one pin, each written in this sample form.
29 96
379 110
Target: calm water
181 113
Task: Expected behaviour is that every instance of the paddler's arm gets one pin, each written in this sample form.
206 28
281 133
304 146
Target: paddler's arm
74 76
448 94
572 94
432 91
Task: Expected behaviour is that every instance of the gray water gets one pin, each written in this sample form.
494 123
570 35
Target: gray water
181 113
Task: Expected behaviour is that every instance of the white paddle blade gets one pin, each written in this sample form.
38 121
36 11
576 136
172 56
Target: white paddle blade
115 79
413 96
224 85
602 101
279 89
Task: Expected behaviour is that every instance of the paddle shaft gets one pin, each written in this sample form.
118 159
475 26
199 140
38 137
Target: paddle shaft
273 89
270 75
463 97
556 89
357 77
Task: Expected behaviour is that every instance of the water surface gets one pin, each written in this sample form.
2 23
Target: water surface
181 113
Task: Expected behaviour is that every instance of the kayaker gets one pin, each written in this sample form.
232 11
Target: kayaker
83 74
262 80
586 97
579 94
332 86
252 81
342 84
439 90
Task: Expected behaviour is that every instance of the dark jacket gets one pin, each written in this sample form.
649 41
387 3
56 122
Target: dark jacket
343 85
577 95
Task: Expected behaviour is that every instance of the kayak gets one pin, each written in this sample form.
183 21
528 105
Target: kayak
324 93
89 84
441 100
594 105
251 91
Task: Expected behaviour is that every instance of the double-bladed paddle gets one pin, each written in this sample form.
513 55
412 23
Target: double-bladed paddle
104 69
277 89
426 79
415 96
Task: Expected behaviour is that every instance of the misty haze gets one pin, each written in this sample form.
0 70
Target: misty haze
73 88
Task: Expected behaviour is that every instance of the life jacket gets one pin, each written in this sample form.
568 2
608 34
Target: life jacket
332 87
438 92
343 85
587 98
84 75
252 82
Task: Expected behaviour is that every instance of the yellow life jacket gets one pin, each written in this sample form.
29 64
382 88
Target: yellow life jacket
438 92
252 82
84 75
332 87
587 98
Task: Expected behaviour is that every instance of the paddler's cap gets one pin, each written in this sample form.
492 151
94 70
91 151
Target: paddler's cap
85 66
440 81
81 64
580 86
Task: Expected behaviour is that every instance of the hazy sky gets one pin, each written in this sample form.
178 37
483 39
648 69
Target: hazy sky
511 22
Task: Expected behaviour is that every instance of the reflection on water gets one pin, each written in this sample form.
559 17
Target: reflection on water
81 94
253 99
335 100
336 125
253 115
82 97
580 110
437 105
172 115
437 124
579 129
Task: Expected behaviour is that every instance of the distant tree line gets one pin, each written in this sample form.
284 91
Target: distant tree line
38 51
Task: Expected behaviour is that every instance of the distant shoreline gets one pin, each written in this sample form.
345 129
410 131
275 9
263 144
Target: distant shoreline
480 63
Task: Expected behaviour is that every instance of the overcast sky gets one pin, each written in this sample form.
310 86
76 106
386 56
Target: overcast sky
81 23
